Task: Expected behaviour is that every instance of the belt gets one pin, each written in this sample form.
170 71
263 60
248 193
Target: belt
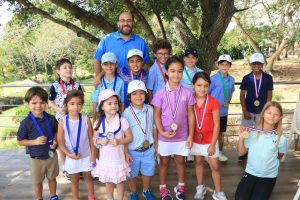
142 149
35 157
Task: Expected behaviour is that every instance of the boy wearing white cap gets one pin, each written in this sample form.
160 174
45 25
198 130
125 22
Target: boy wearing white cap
135 71
256 91
141 150
221 88
110 80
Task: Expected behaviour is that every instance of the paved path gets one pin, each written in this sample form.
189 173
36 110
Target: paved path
15 182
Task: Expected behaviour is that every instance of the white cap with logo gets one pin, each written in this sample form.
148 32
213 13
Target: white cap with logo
136 85
225 57
135 52
257 57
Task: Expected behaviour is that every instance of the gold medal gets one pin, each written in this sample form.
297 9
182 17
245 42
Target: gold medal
200 136
256 103
226 104
146 144
174 127
110 136
245 134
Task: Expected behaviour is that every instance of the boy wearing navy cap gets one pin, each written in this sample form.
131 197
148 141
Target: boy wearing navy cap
190 69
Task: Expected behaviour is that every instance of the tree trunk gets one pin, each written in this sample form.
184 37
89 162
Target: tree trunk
216 17
271 60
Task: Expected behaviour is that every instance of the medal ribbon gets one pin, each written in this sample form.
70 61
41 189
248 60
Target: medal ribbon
115 83
62 85
176 101
50 140
225 90
261 131
139 123
187 74
255 87
102 135
78 133
199 125
161 71
132 78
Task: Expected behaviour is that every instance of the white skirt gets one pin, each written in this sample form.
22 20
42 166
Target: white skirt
172 148
201 150
75 166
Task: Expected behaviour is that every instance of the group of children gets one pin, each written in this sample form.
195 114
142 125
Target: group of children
187 115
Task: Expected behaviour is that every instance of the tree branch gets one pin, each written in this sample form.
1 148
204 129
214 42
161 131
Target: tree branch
83 15
80 32
129 4
161 25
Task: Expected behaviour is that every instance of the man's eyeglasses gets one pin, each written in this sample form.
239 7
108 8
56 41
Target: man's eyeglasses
125 20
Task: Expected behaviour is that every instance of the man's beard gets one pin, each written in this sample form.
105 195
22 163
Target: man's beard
121 30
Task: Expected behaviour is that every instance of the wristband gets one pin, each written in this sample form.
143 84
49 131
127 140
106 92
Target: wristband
93 164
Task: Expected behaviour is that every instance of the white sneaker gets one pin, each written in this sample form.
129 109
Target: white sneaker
200 192
219 196
222 157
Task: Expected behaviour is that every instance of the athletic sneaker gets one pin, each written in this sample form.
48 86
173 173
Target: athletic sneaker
148 195
67 175
179 191
200 192
55 197
222 157
134 196
165 194
219 196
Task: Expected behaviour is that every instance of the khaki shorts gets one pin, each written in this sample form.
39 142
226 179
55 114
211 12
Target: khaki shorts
41 168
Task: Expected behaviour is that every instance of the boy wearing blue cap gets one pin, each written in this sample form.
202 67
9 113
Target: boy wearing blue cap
110 80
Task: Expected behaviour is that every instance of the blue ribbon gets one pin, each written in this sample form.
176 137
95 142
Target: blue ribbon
50 140
78 133
101 135
115 83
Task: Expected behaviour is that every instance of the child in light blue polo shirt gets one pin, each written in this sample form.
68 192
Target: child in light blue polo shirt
110 80
190 69
221 88
265 145
141 151
156 77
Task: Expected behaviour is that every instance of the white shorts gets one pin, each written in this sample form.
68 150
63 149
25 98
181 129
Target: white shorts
172 148
201 150
75 166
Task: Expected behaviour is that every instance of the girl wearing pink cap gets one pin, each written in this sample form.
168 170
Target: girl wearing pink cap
111 133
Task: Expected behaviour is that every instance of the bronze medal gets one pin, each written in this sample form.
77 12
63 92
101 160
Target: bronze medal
146 144
110 136
256 103
174 127
226 104
200 136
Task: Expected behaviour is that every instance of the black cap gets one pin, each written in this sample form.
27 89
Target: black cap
191 51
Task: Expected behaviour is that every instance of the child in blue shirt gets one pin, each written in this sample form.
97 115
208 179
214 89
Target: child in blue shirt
265 145
37 132
135 62
110 80
162 50
142 148
190 69
256 90
221 88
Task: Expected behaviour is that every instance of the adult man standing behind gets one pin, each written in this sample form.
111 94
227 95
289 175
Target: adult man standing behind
120 42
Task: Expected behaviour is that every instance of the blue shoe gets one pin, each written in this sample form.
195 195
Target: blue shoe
134 196
55 197
148 195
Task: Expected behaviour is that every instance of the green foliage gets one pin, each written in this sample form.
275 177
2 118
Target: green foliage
5 133
20 113
277 96
10 144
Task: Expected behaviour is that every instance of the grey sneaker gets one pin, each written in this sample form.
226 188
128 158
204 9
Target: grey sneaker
200 192
219 196
222 157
